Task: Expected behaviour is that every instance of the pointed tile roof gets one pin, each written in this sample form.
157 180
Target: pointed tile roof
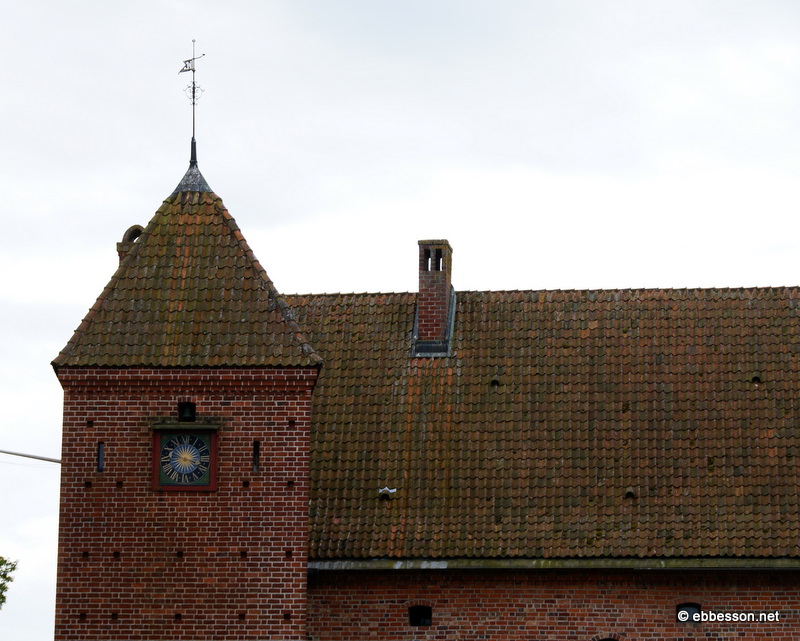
190 293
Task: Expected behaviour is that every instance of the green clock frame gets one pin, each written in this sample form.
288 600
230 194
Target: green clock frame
184 457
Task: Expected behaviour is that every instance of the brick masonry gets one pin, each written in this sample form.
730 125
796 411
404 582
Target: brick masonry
135 563
550 605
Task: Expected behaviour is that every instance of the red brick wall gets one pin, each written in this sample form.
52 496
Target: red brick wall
550 605
135 563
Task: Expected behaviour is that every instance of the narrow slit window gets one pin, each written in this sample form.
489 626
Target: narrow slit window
427 265
256 455
438 264
101 456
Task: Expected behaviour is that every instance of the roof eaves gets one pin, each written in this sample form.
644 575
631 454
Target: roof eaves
608 563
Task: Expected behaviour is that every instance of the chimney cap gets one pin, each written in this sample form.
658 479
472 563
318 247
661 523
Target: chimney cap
434 243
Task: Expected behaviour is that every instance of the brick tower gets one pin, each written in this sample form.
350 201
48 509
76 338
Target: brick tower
187 395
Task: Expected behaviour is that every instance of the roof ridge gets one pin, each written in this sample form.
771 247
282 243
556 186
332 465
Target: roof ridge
647 290
297 295
617 290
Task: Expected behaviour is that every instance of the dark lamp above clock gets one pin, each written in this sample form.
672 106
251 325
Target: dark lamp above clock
187 412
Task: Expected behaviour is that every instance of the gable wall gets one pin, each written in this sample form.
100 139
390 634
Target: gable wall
549 605
135 563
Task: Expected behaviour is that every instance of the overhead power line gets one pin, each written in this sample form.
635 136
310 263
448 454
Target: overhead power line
33 456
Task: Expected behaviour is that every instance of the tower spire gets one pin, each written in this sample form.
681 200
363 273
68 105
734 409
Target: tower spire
193 180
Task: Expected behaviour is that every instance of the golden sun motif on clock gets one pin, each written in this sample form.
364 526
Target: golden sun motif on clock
185 458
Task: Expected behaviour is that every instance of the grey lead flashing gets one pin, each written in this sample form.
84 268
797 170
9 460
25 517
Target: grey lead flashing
560 564
192 180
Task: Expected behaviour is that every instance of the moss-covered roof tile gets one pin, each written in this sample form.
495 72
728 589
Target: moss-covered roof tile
565 424
189 293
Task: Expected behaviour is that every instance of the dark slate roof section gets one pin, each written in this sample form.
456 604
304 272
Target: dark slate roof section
564 425
192 181
189 293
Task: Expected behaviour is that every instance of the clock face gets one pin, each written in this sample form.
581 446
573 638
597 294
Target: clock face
185 460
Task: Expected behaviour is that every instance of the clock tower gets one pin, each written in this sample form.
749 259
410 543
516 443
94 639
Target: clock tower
187 396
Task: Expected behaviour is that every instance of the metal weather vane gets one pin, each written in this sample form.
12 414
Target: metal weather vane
193 180
193 90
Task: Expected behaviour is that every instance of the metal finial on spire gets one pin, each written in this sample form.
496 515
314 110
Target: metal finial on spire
193 91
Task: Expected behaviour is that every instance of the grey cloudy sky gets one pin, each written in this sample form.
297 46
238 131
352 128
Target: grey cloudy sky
569 144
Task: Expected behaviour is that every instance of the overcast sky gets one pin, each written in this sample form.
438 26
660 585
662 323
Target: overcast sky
557 144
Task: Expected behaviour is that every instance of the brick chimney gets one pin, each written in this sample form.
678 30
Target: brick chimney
435 300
